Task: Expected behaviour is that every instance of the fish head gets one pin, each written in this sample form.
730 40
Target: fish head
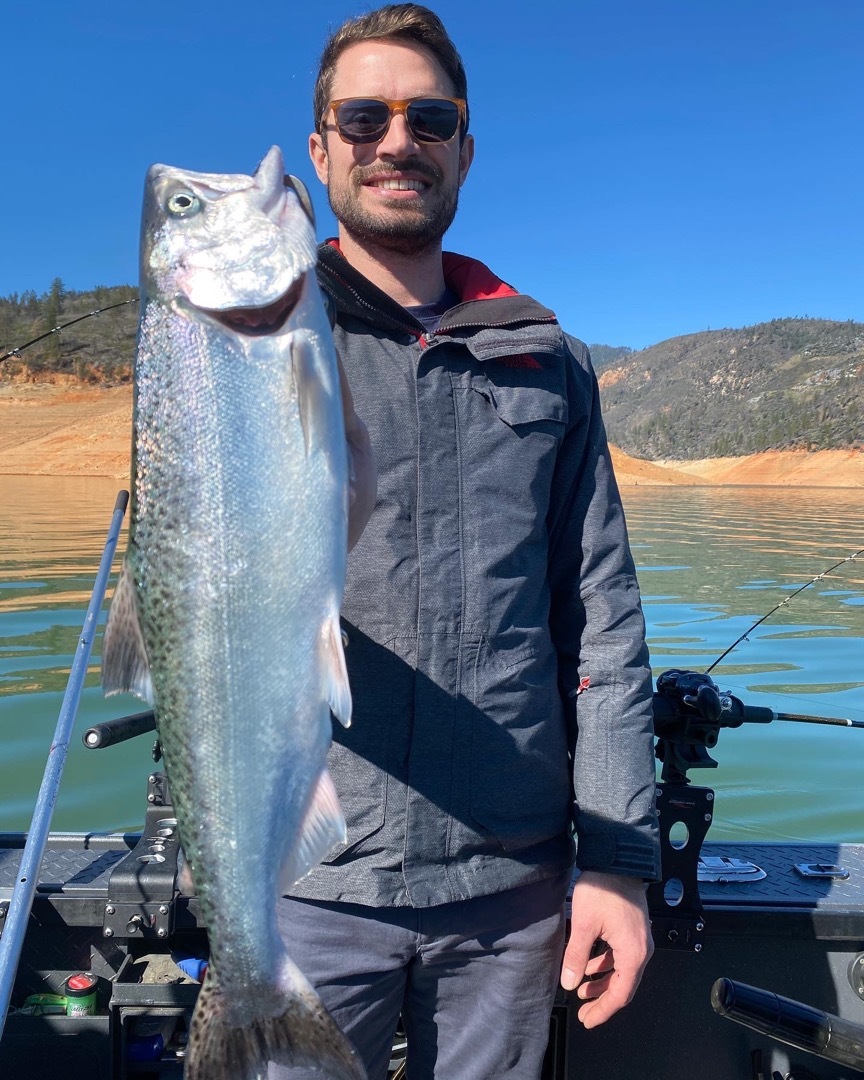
227 246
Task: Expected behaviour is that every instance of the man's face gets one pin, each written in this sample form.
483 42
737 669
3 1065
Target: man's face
398 193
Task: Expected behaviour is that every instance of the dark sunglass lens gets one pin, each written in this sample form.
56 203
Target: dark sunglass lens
362 121
433 120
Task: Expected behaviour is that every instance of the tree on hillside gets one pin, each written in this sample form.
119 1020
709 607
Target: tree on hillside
53 304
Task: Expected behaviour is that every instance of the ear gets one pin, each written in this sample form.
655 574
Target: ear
466 156
318 154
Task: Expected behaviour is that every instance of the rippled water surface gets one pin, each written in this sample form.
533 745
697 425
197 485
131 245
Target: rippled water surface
711 561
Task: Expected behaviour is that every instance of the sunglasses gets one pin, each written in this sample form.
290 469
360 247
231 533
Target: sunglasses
367 120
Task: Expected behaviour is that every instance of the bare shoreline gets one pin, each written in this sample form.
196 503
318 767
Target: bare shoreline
65 428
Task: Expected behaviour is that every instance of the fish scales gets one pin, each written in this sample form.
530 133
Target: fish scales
228 522
226 614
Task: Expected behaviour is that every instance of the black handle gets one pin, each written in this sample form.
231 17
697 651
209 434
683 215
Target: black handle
119 730
790 1022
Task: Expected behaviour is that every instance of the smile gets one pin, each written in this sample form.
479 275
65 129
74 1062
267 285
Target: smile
399 185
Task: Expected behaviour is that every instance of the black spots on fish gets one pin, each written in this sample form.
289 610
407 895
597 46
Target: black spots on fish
304 1035
204 1034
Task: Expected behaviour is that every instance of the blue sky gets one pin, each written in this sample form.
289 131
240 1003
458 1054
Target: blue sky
647 168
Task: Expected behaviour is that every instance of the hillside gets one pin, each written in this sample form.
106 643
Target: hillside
64 428
777 468
787 384
791 384
93 350
604 356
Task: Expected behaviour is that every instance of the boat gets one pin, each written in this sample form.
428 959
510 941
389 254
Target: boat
746 929
758 972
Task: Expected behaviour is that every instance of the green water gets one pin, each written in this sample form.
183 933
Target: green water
711 562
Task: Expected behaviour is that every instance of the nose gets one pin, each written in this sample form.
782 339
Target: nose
398 142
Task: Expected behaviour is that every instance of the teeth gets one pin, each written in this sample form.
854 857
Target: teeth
400 185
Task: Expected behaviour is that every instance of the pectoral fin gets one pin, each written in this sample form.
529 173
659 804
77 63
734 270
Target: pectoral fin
323 828
315 389
335 673
125 667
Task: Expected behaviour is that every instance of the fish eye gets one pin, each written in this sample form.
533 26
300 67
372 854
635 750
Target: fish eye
183 203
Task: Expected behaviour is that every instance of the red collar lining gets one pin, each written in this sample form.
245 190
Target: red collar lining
469 278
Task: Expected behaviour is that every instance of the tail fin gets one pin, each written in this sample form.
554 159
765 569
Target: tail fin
303 1035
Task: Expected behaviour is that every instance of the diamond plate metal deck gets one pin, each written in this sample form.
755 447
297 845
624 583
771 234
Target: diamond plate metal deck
783 886
74 866
66 869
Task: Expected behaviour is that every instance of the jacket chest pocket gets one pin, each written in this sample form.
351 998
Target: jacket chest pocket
509 436
496 411
524 409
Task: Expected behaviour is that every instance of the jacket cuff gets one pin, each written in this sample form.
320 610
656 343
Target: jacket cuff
605 854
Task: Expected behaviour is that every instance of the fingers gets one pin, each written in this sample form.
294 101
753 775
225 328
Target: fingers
604 998
590 967
613 987
606 989
575 962
599 964
612 909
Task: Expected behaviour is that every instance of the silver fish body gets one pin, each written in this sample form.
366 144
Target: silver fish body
226 614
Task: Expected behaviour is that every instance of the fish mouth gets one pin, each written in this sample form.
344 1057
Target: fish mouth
259 321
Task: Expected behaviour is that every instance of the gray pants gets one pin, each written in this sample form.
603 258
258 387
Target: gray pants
474 981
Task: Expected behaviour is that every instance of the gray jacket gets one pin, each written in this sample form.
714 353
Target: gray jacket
497 658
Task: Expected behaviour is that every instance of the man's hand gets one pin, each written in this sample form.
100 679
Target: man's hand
610 907
363 477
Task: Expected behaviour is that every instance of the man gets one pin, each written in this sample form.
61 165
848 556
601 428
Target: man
496 652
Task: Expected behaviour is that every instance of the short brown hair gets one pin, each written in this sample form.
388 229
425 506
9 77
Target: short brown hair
411 23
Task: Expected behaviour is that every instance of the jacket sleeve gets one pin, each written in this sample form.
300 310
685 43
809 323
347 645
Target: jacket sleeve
598 629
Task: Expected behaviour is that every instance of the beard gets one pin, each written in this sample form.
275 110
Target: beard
400 228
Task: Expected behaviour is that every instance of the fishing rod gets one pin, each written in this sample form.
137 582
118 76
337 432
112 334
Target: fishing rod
12 940
777 607
56 330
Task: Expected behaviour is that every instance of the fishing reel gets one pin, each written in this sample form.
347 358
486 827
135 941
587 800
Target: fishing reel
689 710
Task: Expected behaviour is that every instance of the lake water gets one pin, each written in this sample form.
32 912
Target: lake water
711 561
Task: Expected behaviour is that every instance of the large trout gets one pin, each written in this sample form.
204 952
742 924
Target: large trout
226 615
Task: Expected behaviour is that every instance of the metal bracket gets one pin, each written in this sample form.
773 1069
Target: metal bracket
142 887
674 903
680 932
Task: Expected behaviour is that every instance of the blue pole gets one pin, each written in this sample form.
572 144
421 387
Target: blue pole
12 940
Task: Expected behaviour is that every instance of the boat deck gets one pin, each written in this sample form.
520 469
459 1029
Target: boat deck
787 917
79 866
